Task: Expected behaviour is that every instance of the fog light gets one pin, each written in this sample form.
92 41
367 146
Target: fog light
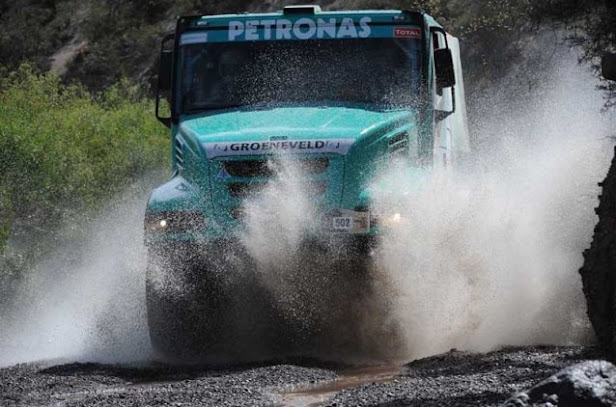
174 222
388 220
392 220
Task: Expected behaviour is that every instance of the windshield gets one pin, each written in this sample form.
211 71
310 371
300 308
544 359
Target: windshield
381 71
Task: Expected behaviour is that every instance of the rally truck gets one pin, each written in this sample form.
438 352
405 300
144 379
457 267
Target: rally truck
341 94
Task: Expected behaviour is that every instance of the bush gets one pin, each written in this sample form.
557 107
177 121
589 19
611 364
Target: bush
63 151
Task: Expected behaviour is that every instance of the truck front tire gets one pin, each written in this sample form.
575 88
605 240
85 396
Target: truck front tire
184 303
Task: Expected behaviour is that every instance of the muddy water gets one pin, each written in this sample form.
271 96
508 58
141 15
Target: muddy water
319 394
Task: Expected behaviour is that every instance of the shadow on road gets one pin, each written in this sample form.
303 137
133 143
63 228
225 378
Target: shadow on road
153 372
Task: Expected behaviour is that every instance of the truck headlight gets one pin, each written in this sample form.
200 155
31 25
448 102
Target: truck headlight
389 220
174 222
393 220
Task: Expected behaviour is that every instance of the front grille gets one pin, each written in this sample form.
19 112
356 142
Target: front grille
243 180
314 165
315 188
245 189
248 169
249 189
265 168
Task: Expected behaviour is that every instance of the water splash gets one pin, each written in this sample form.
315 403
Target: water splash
489 257
86 301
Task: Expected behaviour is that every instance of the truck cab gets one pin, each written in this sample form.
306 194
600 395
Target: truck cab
338 93
340 96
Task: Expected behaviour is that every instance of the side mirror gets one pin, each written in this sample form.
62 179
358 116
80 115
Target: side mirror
608 66
165 77
164 70
443 65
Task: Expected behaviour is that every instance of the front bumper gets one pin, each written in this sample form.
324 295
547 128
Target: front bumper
170 226
217 252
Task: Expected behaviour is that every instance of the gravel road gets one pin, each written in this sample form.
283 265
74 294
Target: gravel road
464 379
451 379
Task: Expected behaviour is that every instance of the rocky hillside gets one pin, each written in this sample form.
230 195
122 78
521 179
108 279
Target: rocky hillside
94 42
97 42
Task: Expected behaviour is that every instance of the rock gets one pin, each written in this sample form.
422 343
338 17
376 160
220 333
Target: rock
608 66
588 384
599 269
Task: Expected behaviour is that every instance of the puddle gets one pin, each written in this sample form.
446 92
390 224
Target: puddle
318 394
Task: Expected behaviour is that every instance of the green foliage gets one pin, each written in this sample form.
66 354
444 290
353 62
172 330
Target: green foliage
4 235
64 151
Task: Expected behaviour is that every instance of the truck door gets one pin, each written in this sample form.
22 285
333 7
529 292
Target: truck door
442 102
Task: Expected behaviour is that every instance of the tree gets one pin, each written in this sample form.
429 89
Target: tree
593 24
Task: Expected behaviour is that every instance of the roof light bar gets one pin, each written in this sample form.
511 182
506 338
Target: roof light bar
294 10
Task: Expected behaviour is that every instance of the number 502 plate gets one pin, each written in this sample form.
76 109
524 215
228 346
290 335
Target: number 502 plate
347 221
342 223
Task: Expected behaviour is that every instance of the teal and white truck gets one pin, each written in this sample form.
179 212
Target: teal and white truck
338 94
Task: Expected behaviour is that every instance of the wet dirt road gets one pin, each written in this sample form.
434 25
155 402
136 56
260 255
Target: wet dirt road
451 379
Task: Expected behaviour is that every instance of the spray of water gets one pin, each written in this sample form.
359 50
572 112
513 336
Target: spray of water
322 290
86 301
489 257
484 258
